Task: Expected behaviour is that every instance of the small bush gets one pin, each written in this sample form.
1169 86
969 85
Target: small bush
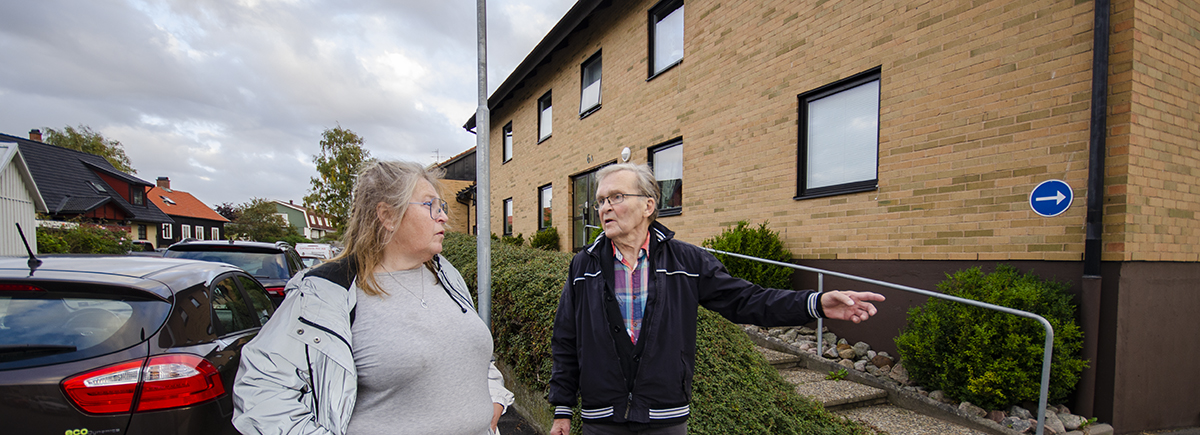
546 240
761 243
83 239
986 357
517 240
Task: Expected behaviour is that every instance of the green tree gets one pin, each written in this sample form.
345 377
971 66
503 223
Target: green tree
341 156
92 142
259 222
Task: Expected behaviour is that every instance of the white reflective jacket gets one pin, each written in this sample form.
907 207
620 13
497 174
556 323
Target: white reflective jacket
298 375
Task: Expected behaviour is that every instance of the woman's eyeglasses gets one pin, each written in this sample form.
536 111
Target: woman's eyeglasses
433 212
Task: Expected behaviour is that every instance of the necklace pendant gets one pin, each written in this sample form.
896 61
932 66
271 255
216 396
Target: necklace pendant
423 304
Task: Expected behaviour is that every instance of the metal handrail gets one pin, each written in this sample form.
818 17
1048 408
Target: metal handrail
1045 387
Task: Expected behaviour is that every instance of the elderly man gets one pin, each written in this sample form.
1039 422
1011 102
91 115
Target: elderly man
625 332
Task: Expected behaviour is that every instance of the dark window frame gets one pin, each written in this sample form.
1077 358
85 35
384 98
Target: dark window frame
506 143
541 217
802 191
137 196
544 102
583 68
678 141
656 14
507 211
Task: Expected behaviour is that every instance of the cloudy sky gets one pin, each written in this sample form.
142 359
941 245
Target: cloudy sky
228 98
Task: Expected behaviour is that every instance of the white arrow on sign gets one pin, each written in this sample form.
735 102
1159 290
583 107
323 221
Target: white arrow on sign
1057 198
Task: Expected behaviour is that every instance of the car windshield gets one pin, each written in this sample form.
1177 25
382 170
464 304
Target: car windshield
259 264
38 328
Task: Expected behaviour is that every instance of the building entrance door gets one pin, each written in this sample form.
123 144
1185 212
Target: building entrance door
584 218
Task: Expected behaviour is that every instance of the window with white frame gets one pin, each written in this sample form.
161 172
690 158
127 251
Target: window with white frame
166 231
589 99
185 231
666 35
545 124
667 160
839 137
199 232
508 217
545 194
508 142
216 233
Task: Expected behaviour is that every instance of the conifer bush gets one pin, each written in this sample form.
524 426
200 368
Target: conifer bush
756 242
546 240
989 358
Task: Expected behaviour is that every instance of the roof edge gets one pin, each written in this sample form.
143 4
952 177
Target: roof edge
571 20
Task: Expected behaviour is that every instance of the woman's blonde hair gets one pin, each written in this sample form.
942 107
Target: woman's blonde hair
391 183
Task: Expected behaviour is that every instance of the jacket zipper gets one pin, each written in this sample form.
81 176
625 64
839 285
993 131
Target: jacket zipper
628 404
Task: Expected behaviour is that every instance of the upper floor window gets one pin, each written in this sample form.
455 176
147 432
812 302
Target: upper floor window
839 137
544 118
667 161
507 142
589 99
666 35
137 196
545 193
508 217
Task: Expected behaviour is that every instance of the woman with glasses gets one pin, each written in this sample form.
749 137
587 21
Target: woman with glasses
381 339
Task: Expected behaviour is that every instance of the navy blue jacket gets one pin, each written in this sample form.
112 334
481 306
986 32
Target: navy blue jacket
650 382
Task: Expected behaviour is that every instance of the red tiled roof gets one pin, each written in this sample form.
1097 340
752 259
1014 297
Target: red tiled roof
182 204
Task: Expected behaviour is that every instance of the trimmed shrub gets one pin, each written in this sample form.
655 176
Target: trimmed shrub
546 240
735 391
83 239
990 358
761 243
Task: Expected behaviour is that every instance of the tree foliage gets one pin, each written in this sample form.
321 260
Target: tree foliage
83 239
92 142
257 220
341 156
229 211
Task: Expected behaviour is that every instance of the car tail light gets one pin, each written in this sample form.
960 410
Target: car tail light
277 291
167 381
20 288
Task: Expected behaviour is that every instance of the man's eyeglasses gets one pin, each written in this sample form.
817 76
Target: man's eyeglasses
433 212
613 199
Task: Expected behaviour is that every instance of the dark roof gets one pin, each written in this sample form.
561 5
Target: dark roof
575 18
69 179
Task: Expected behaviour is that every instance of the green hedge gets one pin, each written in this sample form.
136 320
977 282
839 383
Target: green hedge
83 239
735 390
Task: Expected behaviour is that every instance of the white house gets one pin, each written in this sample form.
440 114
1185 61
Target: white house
20 200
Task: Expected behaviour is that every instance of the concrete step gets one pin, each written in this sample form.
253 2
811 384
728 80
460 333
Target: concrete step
833 394
780 360
894 420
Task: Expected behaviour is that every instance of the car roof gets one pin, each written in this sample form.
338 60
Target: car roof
213 245
159 276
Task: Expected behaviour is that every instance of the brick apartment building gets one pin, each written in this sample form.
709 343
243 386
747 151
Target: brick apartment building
897 141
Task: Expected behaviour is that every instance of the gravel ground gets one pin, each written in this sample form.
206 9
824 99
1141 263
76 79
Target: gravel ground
898 421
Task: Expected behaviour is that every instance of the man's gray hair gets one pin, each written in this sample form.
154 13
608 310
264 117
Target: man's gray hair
646 184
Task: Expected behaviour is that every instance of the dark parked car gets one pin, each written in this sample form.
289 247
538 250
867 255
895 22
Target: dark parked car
123 344
273 264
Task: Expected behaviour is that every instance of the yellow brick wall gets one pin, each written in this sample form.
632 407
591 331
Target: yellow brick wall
1154 181
979 103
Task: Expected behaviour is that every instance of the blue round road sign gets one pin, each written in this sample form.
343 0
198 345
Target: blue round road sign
1051 198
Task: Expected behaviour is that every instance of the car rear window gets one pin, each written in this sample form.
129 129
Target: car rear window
259 264
40 328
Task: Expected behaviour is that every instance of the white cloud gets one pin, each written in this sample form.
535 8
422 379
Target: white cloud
229 99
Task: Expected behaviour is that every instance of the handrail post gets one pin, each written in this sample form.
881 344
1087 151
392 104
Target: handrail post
1046 354
820 321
